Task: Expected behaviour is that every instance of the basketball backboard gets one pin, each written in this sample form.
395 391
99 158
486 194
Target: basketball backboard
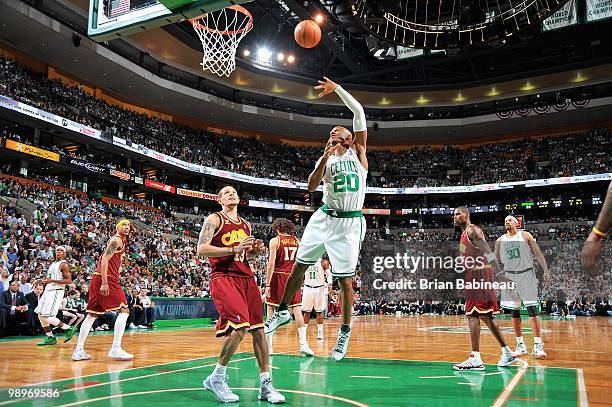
110 19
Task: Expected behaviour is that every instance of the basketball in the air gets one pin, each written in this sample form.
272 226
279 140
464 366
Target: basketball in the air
307 34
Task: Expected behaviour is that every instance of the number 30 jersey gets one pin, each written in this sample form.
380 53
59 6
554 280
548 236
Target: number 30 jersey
515 253
344 182
285 253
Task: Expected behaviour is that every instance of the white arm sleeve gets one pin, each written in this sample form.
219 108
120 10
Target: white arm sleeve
359 119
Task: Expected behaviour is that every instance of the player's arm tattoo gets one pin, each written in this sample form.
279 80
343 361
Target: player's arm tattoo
111 248
207 232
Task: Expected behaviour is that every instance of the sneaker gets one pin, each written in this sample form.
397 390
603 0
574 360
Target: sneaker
70 333
268 393
520 350
277 320
142 327
538 351
507 359
305 350
132 326
470 363
217 383
341 347
98 329
49 340
80 354
118 353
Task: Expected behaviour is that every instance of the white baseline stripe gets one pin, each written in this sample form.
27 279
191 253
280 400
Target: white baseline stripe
582 394
303 372
372 377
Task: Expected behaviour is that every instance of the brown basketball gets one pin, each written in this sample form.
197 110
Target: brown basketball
307 34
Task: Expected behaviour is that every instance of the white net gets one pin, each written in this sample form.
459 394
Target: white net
221 32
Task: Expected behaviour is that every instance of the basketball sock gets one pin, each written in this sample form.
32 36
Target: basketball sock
537 340
119 329
50 333
302 335
269 339
320 328
264 376
506 350
475 355
220 369
345 328
282 307
85 327
519 340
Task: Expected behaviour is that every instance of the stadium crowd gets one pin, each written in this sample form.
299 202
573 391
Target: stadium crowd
569 154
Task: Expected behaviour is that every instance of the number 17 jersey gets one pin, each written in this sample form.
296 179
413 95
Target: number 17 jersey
285 253
344 182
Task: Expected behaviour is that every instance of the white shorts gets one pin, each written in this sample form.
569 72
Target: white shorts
50 303
314 298
339 237
525 286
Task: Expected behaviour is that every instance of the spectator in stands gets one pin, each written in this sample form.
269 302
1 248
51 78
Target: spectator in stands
148 307
13 308
32 299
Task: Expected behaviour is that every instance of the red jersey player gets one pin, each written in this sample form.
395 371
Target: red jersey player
226 240
480 304
106 294
283 249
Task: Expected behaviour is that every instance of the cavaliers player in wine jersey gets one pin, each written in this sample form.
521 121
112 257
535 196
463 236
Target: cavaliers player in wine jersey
283 249
227 242
106 294
481 304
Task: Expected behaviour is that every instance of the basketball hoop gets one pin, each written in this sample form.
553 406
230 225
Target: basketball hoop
221 32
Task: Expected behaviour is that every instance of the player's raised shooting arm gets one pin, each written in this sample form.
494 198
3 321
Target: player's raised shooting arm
273 246
535 249
205 249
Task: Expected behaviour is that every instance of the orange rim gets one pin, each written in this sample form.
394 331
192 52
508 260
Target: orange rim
197 24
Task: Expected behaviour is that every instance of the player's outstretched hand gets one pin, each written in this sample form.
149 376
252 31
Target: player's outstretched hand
326 86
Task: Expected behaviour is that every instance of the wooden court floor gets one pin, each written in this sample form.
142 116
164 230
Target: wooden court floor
392 362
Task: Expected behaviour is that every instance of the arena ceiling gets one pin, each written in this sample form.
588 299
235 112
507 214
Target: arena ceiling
95 64
344 53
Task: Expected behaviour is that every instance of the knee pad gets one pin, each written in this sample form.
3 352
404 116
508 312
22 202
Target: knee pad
533 311
515 313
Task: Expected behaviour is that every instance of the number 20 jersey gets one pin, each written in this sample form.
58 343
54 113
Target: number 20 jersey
344 182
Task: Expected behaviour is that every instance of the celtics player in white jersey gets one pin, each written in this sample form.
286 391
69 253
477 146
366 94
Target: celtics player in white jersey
338 226
50 301
515 250
317 283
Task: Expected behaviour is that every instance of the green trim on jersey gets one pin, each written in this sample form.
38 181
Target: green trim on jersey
339 214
